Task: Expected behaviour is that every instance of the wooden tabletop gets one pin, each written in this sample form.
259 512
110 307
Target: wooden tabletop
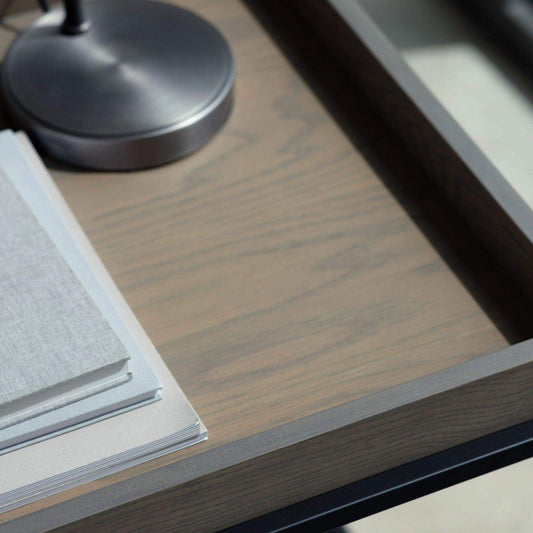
303 282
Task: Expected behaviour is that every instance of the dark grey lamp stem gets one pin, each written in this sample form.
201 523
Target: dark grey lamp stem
75 20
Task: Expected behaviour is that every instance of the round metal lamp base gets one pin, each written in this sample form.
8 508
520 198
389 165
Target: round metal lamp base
146 84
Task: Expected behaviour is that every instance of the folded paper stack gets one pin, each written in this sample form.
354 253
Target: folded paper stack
83 392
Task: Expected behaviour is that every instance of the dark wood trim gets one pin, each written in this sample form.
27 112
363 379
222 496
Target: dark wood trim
293 462
488 203
398 485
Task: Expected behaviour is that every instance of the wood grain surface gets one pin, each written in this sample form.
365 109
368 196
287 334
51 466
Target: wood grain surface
294 264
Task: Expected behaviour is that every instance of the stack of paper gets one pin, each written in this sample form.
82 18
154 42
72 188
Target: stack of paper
72 354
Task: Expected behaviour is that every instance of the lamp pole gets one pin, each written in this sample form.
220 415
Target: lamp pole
75 20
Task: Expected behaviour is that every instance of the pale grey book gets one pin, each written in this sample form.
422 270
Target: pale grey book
122 438
142 389
102 398
55 345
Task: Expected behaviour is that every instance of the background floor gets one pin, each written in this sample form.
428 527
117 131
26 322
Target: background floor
498 502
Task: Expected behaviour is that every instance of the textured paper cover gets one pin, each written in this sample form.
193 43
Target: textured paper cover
50 329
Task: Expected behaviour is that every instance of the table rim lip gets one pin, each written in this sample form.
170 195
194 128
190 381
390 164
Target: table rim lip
269 441
361 24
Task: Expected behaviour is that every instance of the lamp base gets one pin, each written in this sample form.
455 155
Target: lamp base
146 84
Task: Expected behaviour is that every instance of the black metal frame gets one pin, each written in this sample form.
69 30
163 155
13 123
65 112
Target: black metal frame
399 485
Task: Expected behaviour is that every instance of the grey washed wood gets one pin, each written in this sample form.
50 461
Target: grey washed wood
304 283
